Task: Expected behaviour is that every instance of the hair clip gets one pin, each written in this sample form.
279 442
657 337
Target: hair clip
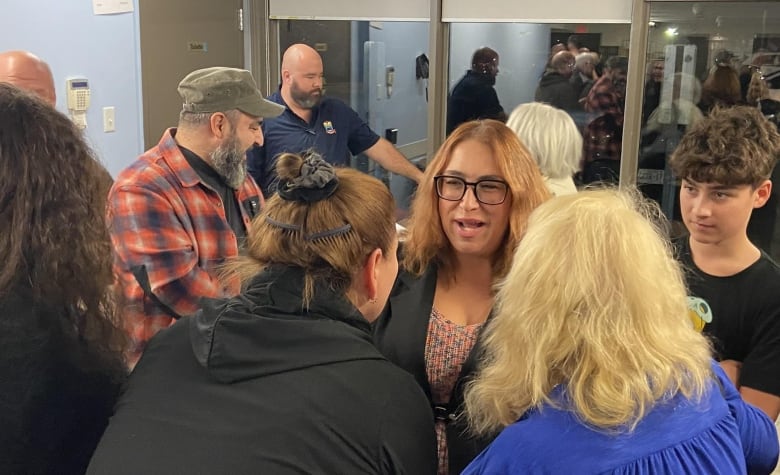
279 224
313 236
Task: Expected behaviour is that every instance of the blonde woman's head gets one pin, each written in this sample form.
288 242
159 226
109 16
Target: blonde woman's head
594 301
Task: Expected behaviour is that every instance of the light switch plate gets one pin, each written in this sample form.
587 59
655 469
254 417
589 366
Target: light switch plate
108 119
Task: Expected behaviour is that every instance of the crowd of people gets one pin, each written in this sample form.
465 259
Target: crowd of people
210 311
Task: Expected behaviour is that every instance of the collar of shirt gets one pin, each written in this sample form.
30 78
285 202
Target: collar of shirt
315 111
202 168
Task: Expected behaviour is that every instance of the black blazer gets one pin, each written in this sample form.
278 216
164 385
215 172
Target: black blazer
400 333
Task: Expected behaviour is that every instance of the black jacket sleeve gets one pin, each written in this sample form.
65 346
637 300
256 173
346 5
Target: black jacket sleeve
407 433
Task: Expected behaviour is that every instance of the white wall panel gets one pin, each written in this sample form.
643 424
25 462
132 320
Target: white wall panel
399 10
536 11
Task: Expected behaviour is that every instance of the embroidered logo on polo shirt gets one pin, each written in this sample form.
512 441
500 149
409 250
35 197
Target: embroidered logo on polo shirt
329 127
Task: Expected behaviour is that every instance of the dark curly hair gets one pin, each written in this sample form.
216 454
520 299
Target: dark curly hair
55 244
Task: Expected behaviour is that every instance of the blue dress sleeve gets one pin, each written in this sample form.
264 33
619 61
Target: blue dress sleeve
756 430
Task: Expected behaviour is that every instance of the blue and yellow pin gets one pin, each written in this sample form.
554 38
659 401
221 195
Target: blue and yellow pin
699 312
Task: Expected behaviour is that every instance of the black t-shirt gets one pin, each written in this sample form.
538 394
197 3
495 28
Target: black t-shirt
215 181
741 315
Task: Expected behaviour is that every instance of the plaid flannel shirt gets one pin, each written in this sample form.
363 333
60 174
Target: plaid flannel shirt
165 220
602 139
603 98
603 135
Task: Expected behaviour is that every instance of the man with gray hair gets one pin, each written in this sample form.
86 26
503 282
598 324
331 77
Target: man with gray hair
185 206
28 72
584 74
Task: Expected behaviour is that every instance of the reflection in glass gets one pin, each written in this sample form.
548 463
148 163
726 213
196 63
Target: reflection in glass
559 64
703 54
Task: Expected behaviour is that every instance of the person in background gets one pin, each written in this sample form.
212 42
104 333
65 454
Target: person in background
554 142
556 48
284 378
725 162
653 83
591 364
467 217
758 94
574 44
61 341
721 88
555 87
474 96
682 111
584 75
608 93
185 205
603 135
312 121
762 226
29 72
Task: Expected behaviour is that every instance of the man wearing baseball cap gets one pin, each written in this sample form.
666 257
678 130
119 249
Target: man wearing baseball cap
184 207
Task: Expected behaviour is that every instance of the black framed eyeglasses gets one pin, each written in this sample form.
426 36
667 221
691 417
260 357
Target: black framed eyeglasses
453 188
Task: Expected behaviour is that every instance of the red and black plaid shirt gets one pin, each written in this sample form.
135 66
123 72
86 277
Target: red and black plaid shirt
164 219
602 138
604 98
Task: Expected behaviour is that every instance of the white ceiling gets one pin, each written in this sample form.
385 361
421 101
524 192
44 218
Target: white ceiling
761 14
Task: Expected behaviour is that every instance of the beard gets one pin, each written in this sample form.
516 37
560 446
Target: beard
306 100
229 160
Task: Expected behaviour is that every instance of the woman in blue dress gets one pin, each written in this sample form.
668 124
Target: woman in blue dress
591 363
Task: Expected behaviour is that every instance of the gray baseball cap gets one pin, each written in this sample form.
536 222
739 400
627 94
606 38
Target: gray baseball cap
221 89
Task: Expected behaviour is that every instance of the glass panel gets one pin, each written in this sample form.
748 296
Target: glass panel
688 43
374 67
527 73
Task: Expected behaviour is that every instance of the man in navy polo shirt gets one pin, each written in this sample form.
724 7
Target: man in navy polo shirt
312 121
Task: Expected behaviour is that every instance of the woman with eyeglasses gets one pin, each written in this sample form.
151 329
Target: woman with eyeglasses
467 218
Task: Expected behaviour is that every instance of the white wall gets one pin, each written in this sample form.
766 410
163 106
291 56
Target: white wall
105 49
406 110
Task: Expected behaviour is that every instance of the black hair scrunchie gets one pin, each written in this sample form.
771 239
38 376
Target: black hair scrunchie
317 181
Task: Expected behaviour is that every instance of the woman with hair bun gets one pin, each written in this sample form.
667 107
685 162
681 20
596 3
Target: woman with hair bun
284 378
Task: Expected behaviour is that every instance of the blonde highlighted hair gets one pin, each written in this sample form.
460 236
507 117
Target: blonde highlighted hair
360 201
595 301
426 242
757 88
550 135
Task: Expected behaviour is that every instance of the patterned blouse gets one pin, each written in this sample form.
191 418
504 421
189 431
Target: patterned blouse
446 349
